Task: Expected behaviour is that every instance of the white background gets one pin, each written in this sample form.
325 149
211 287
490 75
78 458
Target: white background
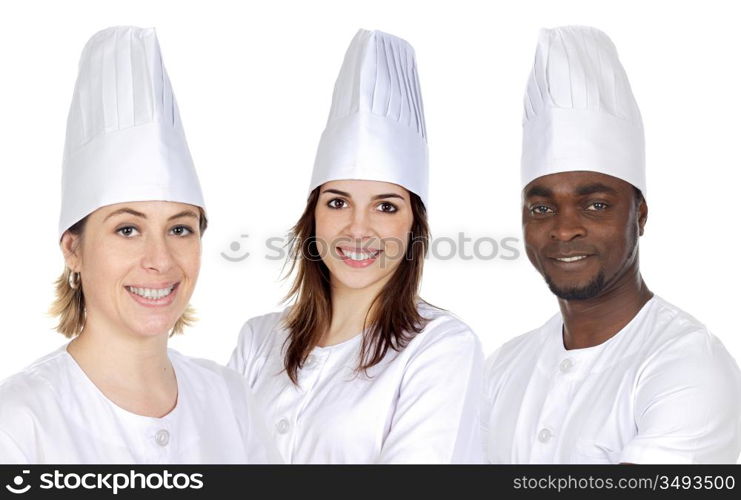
254 84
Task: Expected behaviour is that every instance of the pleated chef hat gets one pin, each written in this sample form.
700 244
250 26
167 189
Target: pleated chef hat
376 127
580 113
125 141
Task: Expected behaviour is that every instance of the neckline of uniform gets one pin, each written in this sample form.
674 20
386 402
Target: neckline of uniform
339 345
421 304
129 415
596 348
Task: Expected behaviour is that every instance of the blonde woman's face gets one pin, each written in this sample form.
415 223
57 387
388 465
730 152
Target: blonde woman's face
138 263
362 230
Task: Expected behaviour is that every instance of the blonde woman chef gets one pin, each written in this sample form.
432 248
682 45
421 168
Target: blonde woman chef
130 229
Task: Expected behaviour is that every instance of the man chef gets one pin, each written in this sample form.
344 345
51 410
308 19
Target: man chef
619 375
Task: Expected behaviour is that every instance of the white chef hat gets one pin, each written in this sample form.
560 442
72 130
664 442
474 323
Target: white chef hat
376 127
125 141
580 113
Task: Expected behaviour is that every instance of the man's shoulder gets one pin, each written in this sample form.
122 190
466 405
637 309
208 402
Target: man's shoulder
523 347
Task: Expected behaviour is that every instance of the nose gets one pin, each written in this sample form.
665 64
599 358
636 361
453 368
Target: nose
157 254
567 225
358 227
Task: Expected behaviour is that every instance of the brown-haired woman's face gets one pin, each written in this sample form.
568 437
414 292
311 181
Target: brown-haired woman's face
362 230
138 263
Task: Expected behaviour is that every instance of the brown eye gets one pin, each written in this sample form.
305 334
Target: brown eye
127 231
540 210
387 207
336 203
181 231
597 206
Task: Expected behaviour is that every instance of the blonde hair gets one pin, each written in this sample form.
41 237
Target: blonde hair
69 303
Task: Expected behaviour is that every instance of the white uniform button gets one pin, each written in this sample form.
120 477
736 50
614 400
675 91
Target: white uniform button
545 435
282 426
162 437
566 365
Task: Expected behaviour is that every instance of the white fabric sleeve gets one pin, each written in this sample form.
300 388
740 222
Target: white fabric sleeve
10 452
241 355
436 419
260 446
687 405
487 403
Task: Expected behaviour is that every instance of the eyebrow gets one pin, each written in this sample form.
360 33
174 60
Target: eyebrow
185 213
596 187
130 211
538 191
376 197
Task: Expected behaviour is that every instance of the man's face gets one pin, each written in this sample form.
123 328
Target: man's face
581 231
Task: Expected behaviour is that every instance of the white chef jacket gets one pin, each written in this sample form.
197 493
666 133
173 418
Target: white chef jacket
662 390
420 405
51 412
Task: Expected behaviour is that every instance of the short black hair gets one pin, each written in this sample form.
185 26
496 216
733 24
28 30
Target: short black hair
638 195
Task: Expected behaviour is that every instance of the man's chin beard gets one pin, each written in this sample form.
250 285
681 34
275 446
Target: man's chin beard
589 291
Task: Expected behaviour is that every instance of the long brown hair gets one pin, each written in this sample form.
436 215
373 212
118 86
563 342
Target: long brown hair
393 319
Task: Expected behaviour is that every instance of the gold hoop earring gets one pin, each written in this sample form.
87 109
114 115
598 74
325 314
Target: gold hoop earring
74 280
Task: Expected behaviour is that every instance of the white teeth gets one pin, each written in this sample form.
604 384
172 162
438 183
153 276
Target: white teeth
151 293
358 255
572 259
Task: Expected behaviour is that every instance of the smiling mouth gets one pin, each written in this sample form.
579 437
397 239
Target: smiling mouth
358 255
152 293
573 258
